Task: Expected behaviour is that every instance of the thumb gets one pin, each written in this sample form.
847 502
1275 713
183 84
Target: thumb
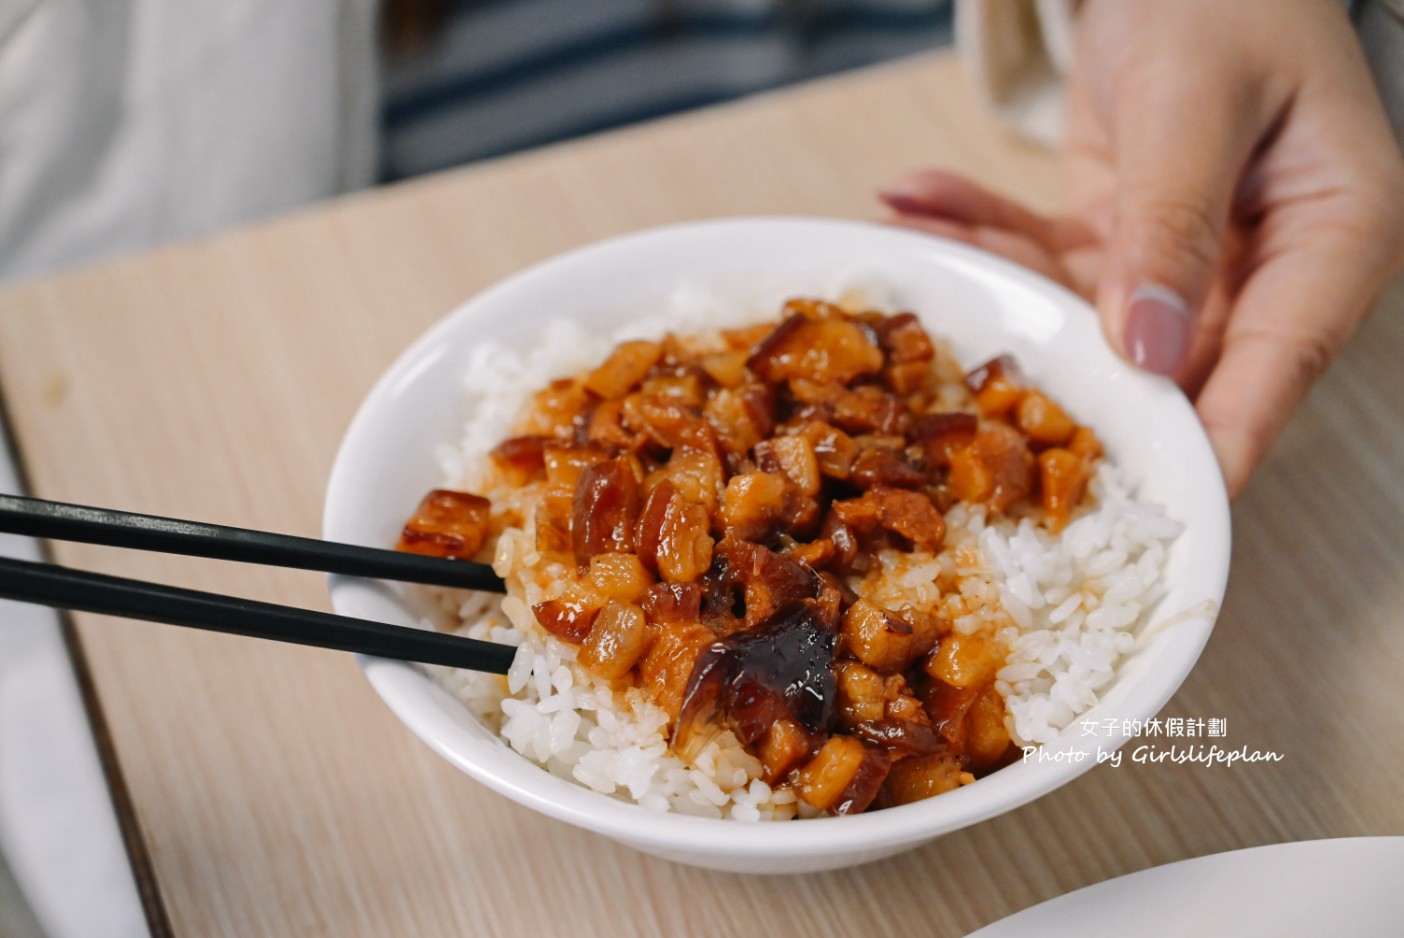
1179 153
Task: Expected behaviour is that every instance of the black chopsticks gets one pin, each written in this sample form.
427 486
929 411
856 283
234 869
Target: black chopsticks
60 521
51 585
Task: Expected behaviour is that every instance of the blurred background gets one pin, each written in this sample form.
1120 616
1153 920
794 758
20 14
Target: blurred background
129 123
470 79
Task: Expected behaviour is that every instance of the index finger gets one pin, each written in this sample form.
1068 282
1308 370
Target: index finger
1290 319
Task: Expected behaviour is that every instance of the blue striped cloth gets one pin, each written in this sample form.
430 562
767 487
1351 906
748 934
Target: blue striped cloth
506 75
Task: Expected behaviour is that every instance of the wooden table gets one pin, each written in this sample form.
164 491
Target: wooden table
267 791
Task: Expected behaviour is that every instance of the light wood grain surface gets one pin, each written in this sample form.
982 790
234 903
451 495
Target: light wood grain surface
272 792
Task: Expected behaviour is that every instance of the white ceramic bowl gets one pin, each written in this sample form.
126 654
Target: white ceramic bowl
984 304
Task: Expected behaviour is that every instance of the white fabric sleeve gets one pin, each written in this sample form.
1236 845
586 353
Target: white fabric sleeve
1017 53
127 123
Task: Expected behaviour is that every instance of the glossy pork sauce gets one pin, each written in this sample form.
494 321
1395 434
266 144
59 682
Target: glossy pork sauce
728 504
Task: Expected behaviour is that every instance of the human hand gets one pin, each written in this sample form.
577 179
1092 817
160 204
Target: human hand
1238 201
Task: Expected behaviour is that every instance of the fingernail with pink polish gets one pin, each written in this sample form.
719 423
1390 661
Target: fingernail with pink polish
1157 333
905 204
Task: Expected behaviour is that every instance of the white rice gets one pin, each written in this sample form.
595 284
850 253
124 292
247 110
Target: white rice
1067 607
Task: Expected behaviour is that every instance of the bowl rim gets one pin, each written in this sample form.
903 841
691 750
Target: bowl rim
403 686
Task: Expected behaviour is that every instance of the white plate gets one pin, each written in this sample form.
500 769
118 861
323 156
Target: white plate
1312 889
